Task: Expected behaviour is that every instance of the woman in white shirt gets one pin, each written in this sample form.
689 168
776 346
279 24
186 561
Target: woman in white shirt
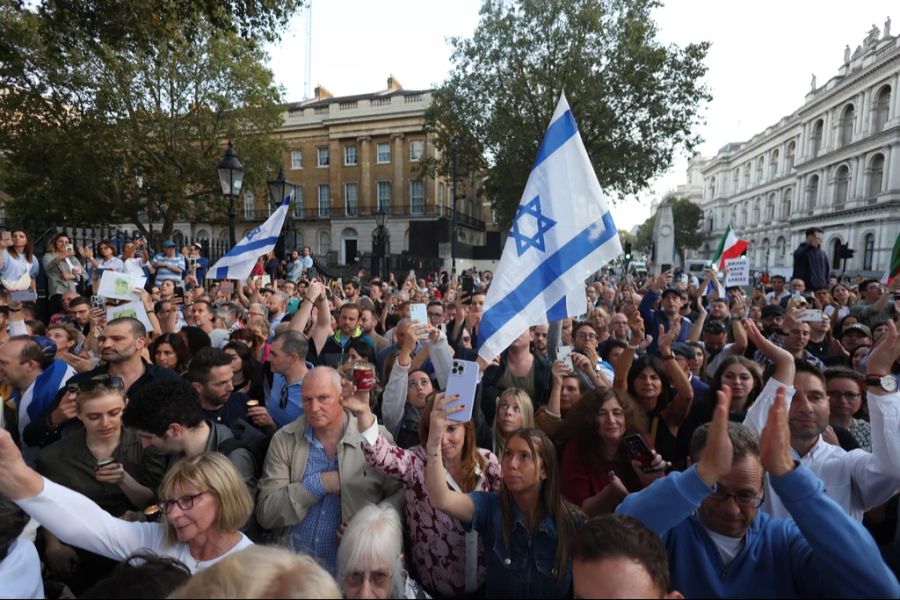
203 498
106 260
135 257
18 257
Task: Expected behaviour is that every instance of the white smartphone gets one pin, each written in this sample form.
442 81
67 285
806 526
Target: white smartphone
418 312
811 315
563 353
463 380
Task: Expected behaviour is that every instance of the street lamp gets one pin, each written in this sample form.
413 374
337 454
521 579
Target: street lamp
454 142
231 177
279 189
379 244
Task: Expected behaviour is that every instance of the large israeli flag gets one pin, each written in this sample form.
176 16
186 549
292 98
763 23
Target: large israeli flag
562 233
238 262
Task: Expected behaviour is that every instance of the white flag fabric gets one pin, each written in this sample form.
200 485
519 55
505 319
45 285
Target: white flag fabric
562 233
238 262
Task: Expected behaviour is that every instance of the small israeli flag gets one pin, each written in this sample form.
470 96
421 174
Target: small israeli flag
562 233
238 262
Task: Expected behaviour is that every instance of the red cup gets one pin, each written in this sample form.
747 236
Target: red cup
363 376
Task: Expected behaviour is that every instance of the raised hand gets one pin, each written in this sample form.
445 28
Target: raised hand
775 439
314 290
667 338
718 454
886 352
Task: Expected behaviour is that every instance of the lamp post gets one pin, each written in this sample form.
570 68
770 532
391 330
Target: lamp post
454 142
379 244
231 177
279 189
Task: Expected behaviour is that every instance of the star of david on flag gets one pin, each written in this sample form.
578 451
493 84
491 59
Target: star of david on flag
563 232
238 262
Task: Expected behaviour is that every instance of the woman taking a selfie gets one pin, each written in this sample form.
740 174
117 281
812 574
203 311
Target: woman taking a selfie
527 527
448 561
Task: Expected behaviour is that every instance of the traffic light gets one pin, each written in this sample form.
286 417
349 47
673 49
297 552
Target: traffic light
627 250
845 251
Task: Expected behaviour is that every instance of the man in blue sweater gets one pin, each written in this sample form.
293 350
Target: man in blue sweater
720 545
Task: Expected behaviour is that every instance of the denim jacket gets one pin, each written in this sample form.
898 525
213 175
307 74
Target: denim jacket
525 567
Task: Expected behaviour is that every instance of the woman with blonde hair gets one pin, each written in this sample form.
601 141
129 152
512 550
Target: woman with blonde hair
514 412
262 572
203 498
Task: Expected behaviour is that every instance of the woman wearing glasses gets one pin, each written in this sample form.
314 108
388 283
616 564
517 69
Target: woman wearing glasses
103 461
203 498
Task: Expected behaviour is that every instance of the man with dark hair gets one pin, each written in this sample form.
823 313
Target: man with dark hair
778 292
167 415
810 261
210 374
616 556
710 513
287 361
333 349
668 314
80 310
875 304
351 291
846 394
857 480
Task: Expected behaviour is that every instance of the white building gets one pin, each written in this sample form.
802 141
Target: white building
833 163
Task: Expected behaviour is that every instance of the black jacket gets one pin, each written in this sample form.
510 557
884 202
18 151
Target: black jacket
811 265
491 389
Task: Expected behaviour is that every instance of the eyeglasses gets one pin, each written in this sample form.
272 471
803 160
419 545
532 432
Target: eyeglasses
282 401
379 578
184 503
835 394
587 336
742 500
435 315
107 381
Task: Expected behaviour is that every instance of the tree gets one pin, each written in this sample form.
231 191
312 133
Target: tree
687 218
634 99
88 121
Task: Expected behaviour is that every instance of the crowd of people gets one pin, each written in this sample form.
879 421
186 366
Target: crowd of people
292 436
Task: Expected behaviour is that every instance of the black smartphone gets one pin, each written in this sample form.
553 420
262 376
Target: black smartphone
468 284
638 450
179 291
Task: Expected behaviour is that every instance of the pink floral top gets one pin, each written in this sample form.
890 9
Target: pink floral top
438 540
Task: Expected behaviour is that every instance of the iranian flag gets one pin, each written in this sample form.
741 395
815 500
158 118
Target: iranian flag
731 246
894 268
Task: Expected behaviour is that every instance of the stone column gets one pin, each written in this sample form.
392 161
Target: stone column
862 127
366 202
894 110
892 169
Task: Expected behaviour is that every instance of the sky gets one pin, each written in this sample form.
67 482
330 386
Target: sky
760 63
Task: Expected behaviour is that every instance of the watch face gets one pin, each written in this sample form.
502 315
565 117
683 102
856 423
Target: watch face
889 383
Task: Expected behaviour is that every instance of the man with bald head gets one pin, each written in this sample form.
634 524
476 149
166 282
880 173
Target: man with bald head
315 476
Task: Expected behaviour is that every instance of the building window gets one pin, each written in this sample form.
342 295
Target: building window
746 176
770 209
383 152
812 192
324 200
383 195
875 173
780 247
759 169
417 197
882 108
350 155
440 195
324 243
835 254
848 116
869 252
249 205
322 152
351 200
756 209
841 185
789 158
296 159
773 164
786 204
816 141
298 202
416 150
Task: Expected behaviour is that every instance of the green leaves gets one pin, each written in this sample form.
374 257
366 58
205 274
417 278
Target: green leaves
635 100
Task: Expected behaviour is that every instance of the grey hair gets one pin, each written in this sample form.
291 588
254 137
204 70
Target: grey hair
332 372
374 534
743 439
293 342
229 313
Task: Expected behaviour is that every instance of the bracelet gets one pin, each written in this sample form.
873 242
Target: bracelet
635 347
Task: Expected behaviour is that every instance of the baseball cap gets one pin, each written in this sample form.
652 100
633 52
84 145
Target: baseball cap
682 349
671 290
857 327
168 244
772 310
197 245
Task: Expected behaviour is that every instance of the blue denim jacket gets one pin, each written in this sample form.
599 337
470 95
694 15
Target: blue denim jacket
524 568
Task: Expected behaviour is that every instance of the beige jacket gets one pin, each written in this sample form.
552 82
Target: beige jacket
283 501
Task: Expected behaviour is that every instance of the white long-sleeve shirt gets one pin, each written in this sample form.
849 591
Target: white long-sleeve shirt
76 520
20 571
857 480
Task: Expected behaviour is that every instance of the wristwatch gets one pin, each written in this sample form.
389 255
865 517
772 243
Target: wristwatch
886 382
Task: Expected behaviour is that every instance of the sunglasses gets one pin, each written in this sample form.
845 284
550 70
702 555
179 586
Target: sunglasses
110 382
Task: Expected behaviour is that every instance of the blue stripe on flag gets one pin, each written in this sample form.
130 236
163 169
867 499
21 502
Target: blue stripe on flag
551 269
558 311
558 134
222 273
244 248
